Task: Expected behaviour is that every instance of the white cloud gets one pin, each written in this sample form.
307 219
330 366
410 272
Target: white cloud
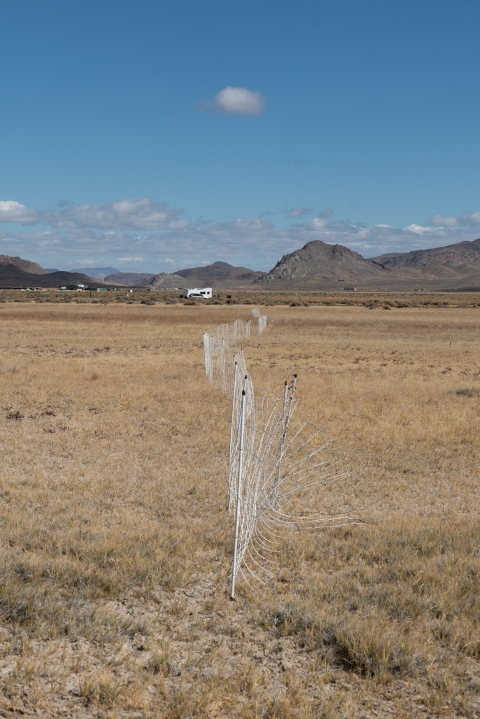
467 218
318 223
418 229
439 221
142 214
49 243
471 218
237 101
146 234
11 211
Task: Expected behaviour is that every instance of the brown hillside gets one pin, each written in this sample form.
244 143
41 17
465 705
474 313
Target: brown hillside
129 278
455 266
457 255
323 265
219 273
12 276
24 265
164 280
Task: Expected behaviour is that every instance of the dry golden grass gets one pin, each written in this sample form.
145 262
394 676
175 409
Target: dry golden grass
116 547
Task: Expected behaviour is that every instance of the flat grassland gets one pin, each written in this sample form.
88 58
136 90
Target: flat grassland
116 545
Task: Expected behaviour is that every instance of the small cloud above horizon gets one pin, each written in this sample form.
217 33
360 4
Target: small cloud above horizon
467 218
325 214
237 101
296 212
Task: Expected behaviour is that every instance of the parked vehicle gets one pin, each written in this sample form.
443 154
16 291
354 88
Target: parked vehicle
204 294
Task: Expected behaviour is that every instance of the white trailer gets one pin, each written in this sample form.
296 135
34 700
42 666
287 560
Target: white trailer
204 294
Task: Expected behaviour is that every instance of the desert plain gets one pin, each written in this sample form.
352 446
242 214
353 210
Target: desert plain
116 546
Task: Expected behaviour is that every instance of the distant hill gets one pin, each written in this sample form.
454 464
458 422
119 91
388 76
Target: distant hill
129 278
219 273
455 266
12 276
52 269
457 255
99 273
25 265
316 266
164 280
319 264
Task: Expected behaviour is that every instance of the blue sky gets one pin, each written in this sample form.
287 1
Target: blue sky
154 136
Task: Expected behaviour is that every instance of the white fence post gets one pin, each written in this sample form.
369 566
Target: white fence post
239 498
234 392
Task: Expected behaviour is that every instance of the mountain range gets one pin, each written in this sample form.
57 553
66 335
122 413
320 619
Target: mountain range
321 266
217 273
316 266
23 265
12 276
99 273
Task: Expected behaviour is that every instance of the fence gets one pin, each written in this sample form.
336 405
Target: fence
275 462
262 320
219 346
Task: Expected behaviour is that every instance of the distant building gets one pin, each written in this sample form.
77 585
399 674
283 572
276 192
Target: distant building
350 289
73 286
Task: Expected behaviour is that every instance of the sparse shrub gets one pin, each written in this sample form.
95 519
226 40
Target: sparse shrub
15 415
159 661
468 392
369 647
104 689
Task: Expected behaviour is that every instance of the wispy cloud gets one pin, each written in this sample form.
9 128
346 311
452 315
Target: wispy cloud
297 212
325 214
471 219
237 101
142 214
439 221
136 232
11 211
